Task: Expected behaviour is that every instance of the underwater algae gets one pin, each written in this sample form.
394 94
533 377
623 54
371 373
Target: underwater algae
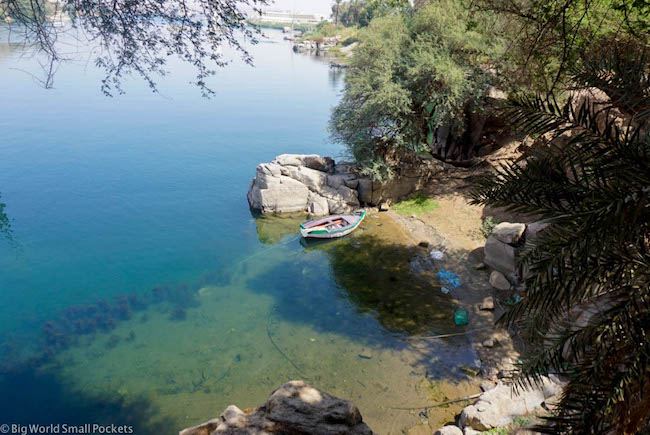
336 315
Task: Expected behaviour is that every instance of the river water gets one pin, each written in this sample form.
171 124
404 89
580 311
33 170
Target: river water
138 288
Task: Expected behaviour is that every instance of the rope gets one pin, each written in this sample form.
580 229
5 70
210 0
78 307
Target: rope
286 242
451 335
438 405
268 333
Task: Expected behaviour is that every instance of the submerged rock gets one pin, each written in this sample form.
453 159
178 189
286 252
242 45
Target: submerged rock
295 407
365 354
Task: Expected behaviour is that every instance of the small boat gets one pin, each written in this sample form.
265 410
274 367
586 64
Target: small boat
331 227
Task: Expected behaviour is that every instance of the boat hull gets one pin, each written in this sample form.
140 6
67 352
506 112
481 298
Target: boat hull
319 232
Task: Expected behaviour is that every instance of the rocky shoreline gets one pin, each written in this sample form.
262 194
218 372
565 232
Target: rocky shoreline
499 404
319 186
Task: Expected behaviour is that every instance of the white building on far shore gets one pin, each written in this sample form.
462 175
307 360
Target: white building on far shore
277 16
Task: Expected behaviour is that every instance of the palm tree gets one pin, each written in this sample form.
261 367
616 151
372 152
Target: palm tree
335 10
587 305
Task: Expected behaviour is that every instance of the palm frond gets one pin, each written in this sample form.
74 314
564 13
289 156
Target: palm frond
592 184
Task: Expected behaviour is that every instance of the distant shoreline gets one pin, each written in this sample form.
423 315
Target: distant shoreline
280 26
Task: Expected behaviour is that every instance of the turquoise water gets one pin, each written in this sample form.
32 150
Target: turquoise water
140 289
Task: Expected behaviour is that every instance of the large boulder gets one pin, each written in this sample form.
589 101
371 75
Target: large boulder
410 175
317 205
498 406
272 192
312 178
500 256
312 161
510 233
302 408
295 407
534 230
303 183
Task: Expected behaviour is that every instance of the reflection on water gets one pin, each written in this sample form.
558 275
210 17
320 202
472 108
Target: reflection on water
5 50
273 228
336 76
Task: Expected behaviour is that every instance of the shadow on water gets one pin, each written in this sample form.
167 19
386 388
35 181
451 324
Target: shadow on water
364 277
377 278
38 397
5 224
4 219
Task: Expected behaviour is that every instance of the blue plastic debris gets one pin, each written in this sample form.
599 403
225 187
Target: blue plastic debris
448 280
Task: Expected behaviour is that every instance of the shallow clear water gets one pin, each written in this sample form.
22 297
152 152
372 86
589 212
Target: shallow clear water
140 289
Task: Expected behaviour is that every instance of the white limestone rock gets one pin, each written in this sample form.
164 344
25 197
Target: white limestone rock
317 205
312 161
313 179
304 183
448 430
510 233
498 406
278 195
341 184
337 207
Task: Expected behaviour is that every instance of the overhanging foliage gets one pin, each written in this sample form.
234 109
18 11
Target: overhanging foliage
587 305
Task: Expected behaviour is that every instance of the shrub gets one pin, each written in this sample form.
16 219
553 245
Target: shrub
488 226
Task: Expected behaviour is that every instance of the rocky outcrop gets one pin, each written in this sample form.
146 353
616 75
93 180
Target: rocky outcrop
501 403
296 408
318 186
303 183
314 46
501 251
498 406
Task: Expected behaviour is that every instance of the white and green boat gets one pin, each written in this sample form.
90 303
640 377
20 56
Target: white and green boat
331 227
